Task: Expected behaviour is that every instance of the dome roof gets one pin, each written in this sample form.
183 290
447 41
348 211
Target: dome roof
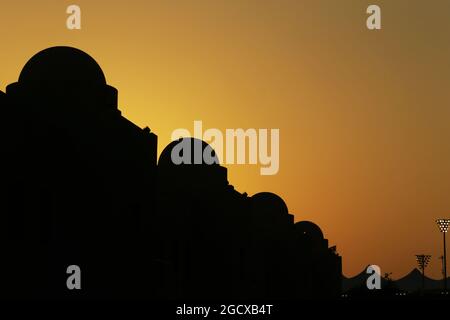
62 64
269 202
192 145
309 230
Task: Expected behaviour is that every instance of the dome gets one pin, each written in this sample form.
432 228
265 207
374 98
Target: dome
182 171
269 202
309 230
62 64
197 148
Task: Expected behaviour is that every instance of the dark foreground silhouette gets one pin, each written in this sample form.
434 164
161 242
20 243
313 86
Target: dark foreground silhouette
81 186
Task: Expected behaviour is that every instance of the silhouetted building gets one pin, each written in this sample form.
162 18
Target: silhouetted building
81 186
272 247
205 222
321 265
81 175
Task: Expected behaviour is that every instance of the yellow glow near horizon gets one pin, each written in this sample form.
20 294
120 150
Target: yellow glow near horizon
363 115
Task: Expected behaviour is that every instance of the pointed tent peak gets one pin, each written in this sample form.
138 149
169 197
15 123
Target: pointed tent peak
362 273
413 274
415 271
416 274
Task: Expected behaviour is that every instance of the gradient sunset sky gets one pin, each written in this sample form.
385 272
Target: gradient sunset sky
364 116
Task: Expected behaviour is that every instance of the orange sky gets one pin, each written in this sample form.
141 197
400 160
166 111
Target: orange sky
363 115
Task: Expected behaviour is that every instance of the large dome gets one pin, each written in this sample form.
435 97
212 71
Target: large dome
62 65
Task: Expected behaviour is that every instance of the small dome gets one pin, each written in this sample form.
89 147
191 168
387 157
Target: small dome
200 153
179 170
269 202
309 230
62 64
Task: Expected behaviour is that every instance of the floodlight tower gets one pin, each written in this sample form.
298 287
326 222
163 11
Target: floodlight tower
443 227
422 261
